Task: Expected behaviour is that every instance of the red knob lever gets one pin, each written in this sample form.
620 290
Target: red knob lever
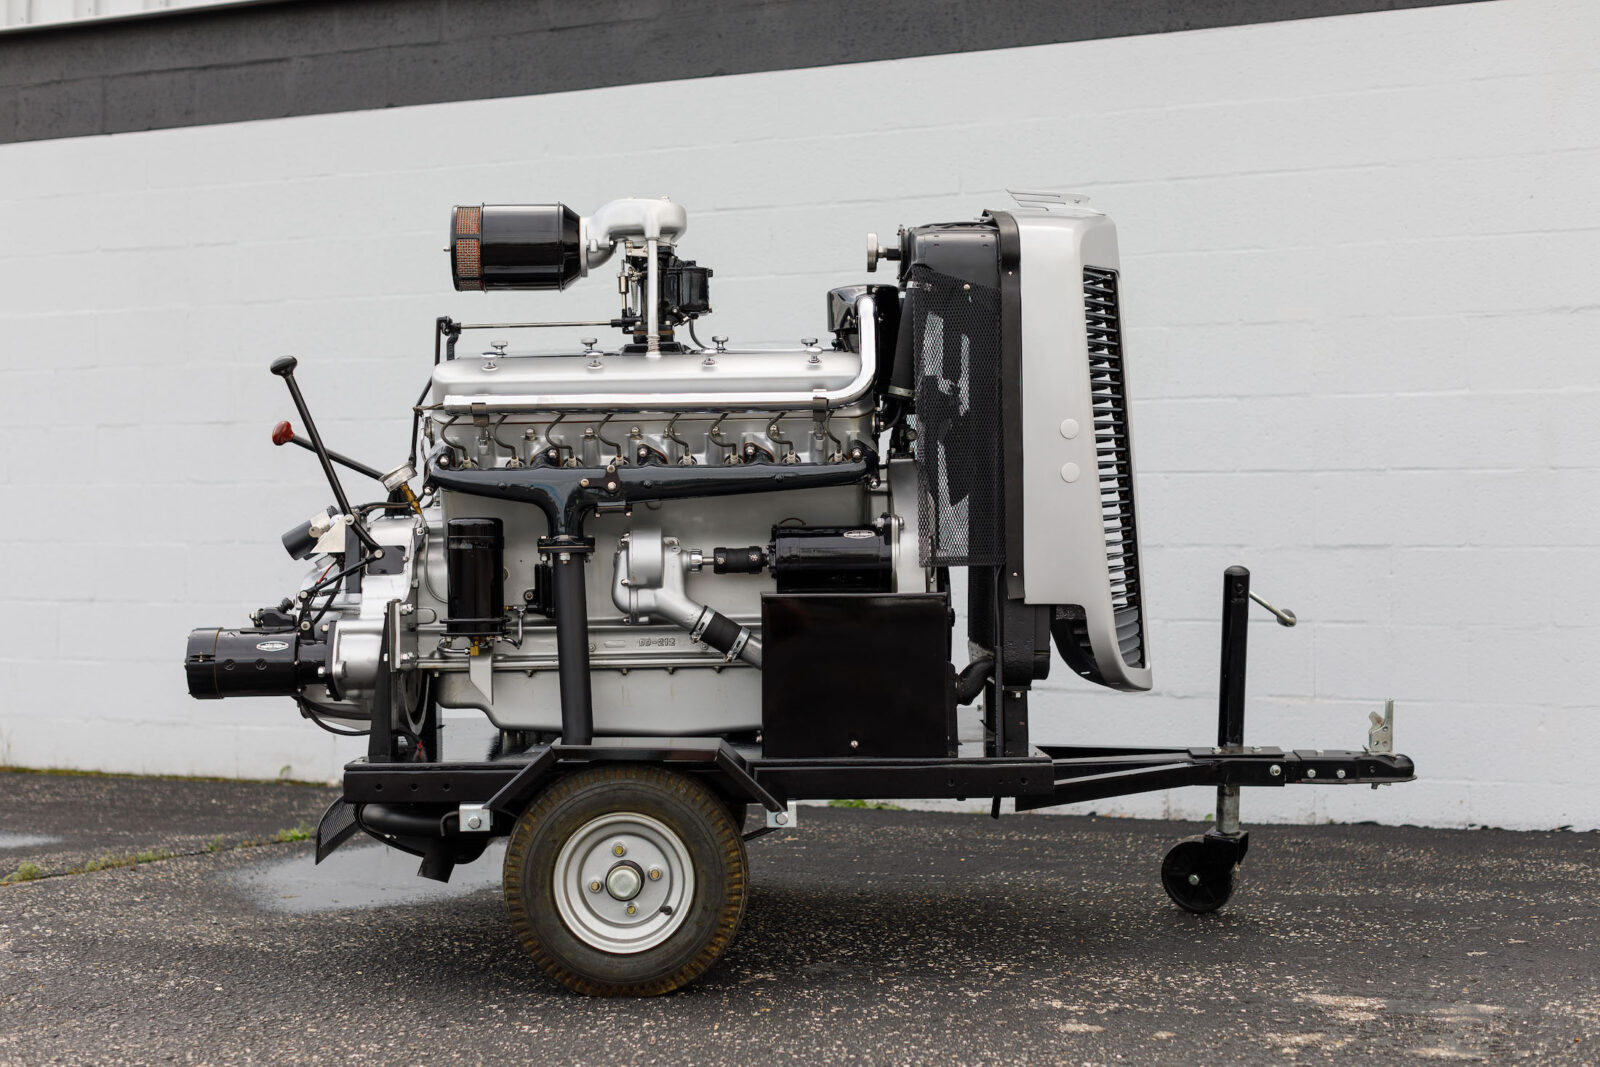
282 433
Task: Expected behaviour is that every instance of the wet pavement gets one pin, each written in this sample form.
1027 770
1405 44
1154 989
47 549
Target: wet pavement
872 937
62 822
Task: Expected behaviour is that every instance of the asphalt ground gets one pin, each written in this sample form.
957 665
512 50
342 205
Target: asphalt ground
871 937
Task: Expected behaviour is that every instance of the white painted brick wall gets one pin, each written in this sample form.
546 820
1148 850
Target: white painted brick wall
1360 256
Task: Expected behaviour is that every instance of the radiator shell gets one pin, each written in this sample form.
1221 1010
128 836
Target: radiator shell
1067 560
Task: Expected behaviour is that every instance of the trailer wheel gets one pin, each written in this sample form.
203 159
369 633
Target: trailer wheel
1199 873
625 880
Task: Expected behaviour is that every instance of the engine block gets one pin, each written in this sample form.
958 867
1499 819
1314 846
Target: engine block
601 530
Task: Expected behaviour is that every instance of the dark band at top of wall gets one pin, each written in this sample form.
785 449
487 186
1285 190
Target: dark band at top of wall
197 66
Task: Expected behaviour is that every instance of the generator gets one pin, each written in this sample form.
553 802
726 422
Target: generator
683 579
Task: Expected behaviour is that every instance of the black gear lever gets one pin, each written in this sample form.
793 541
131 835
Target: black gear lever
284 367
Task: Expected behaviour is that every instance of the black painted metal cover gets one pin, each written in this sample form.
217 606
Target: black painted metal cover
856 674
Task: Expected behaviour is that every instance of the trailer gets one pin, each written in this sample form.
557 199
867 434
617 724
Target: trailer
684 580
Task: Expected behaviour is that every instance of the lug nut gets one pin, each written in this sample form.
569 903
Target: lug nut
594 886
619 849
631 910
655 874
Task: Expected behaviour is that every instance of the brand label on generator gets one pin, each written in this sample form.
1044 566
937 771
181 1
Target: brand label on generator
272 646
859 533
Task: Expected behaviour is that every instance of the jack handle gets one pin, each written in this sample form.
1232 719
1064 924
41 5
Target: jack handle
1284 616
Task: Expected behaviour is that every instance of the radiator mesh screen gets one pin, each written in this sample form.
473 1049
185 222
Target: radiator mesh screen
955 331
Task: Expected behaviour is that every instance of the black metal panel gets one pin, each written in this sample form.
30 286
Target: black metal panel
864 675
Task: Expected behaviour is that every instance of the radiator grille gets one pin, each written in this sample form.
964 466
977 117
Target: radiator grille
1114 454
955 332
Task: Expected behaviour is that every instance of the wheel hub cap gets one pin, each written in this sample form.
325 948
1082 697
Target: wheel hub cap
632 911
624 882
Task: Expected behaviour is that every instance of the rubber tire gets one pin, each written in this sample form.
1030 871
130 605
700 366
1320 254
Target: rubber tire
702 822
1216 866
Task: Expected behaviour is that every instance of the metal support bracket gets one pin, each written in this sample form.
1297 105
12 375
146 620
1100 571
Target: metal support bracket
516 794
734 766
475 818
1380 736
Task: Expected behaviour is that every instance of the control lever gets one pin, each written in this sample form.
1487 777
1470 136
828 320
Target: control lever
283 434
284 368
1284 616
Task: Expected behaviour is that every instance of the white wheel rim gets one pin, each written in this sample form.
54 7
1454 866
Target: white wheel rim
601 919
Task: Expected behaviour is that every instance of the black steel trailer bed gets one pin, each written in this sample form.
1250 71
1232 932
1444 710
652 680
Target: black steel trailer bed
1053 776
447 811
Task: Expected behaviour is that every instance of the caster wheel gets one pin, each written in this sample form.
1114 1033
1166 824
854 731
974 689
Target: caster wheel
625 880
1200 873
